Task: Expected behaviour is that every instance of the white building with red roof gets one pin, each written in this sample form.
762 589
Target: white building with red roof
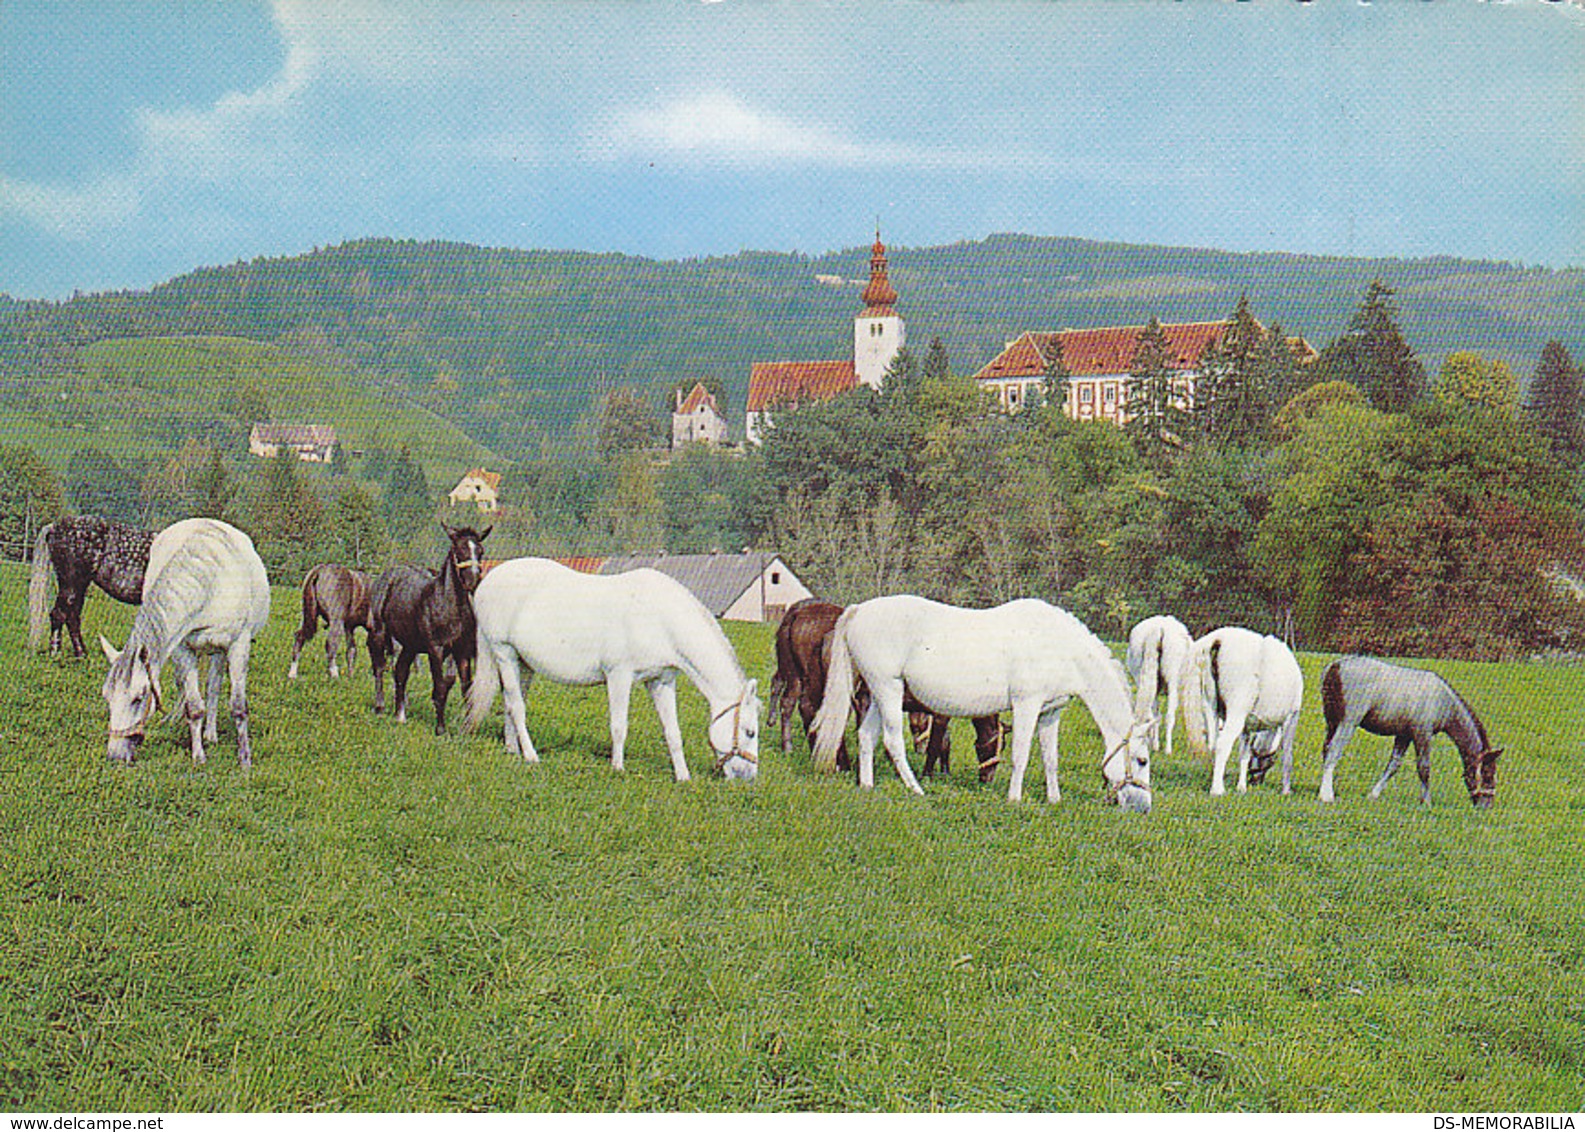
1098 361
697 418
878 333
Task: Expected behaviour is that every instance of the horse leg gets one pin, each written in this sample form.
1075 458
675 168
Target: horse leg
217 673
1337 736
377 666
1046 728
1164 734
304 634
73 616
1290 731
404 666
513 685
1024 720
333 637
1229 734
937 735
439 688
186 665
988 735
663 694
618 691
1422 764
352 646
1400 745
237 662
892 734
868 731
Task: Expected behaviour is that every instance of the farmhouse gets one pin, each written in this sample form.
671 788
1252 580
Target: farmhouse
878 333
753 586
697 418
479 487
1098 361
314 443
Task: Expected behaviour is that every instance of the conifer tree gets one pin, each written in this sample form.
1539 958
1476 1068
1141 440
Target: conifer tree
1373 355
1151 414
1556 401
1058 379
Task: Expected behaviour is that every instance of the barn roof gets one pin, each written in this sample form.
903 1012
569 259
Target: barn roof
717 580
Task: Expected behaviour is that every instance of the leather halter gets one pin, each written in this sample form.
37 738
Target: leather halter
737 751
1128 774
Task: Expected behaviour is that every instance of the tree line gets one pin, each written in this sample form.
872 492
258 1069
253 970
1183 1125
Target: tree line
1352 501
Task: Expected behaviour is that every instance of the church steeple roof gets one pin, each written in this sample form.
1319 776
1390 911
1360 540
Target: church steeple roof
880 296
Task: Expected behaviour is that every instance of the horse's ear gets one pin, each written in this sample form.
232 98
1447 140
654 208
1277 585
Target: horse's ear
1490 757
486 533
451 531
111 652
751 691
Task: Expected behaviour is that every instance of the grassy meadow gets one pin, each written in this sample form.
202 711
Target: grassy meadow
374 918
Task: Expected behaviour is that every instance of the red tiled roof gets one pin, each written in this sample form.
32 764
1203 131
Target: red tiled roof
1108 349
781 383
697 396
583 564
491 480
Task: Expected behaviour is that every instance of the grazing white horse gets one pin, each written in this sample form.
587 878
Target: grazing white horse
1249 689
205 593
1026 656
1158 650
586 629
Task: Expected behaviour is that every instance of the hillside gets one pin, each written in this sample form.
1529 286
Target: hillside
513 346
129 396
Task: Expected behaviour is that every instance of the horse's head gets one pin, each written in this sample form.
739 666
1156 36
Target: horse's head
467 554
734 735
132 692
1480 775
1127 768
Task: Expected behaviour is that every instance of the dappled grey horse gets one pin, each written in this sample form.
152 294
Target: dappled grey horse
1411 706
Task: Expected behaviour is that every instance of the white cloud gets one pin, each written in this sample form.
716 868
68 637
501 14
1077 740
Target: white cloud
73 214
719 126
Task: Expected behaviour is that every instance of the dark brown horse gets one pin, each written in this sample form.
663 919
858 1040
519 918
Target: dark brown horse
83 549
339 596
428 612
802 647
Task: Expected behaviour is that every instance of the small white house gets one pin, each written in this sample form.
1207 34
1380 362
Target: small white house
314 443
754 586
697 418
479 487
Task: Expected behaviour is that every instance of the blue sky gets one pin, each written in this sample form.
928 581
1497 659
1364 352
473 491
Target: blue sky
141 140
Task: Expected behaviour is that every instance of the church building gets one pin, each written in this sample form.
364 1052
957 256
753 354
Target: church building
878 334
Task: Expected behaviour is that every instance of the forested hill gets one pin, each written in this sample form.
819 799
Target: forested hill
515 344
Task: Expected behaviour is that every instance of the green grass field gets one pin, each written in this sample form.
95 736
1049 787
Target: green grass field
374 918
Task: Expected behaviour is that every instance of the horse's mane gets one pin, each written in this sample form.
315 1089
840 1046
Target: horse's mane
1480 728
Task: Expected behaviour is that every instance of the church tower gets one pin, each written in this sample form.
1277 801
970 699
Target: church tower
878 330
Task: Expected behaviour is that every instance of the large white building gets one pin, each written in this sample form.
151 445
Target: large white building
878 333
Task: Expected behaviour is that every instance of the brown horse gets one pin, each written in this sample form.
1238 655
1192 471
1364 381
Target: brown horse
802 648
339 596
428 612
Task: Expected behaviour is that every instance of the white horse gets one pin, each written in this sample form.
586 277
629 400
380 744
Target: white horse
1249 689
1158 650
1026 656
584 629
205 593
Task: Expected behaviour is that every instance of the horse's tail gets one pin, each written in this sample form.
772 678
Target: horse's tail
832 718
486 682
1149 667
39 588
310 605
1199 674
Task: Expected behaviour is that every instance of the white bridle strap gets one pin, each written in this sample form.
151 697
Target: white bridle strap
1128 773
155 703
